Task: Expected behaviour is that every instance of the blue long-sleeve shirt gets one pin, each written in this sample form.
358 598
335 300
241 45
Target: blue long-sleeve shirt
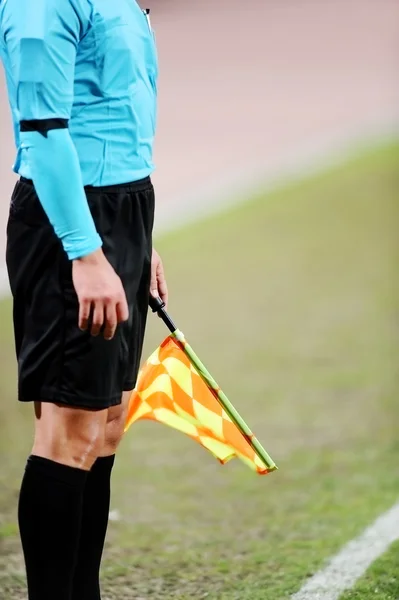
81 78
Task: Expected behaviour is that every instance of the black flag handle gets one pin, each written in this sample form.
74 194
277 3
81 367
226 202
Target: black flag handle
157 305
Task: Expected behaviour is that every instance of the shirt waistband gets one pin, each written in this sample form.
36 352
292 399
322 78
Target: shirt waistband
132 186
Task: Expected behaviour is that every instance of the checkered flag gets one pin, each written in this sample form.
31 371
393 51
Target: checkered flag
174 388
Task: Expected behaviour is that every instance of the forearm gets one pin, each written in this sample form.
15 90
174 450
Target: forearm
58 182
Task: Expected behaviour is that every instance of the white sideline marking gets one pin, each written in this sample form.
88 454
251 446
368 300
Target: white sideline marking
353 560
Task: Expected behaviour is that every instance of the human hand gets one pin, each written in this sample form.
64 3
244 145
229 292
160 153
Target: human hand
100 293
158 287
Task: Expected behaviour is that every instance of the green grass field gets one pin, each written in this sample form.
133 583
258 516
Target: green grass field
292 302
381 581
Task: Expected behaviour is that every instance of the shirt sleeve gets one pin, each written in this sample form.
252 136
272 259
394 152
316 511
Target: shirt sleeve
41 39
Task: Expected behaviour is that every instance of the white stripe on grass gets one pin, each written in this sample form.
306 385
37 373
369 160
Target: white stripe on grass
353 560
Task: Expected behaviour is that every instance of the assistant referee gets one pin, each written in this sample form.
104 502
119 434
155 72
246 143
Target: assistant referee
82 85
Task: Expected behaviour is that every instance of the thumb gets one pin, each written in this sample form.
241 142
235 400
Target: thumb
154 285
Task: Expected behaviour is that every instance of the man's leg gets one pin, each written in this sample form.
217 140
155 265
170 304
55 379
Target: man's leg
96 504
58 361
67 442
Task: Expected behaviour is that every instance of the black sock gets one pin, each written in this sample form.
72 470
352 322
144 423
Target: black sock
96 504
49 514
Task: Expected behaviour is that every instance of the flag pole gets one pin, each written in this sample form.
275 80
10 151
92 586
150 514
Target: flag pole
158 306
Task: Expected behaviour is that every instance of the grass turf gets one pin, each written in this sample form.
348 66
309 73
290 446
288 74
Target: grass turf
381 582
291 300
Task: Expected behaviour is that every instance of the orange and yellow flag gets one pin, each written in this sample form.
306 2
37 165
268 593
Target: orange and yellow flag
170 390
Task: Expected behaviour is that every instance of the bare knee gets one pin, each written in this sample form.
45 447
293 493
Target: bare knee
71 436
115 426
113 433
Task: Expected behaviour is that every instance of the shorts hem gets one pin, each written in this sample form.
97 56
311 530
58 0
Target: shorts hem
57 397
129 386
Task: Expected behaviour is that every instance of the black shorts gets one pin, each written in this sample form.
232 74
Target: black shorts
57 362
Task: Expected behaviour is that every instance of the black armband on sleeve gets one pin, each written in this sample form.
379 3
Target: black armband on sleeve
43 126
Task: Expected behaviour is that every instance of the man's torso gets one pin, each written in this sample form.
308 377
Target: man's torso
113 113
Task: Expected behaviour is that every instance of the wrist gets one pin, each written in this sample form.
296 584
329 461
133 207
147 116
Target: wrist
88 249
93 258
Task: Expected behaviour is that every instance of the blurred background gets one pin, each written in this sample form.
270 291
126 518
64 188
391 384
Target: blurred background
247 91
277 182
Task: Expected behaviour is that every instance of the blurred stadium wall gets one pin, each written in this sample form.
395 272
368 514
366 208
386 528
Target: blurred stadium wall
248 89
